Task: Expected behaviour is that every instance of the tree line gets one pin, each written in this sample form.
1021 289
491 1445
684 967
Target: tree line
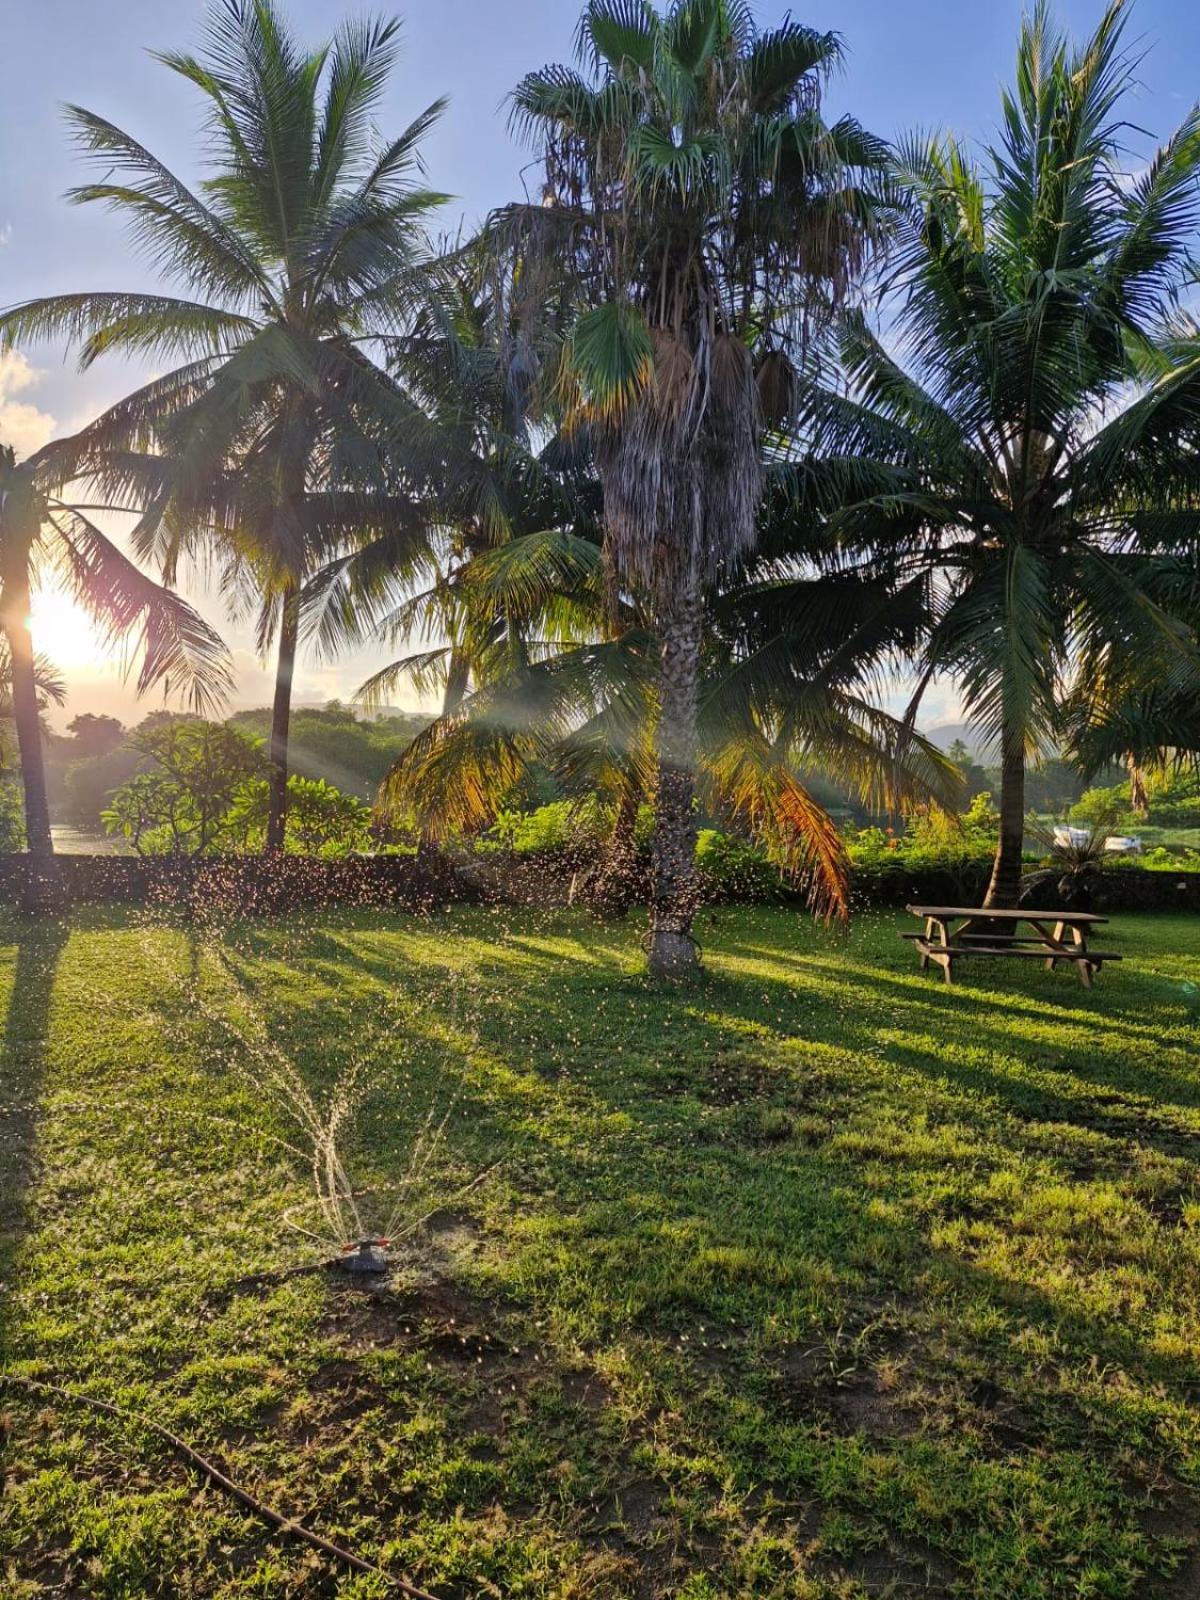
662 476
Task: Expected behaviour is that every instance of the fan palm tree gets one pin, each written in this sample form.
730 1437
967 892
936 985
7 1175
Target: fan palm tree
43 537
1025 439
274 444
697 215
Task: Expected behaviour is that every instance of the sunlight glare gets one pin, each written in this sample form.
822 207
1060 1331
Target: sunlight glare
65 633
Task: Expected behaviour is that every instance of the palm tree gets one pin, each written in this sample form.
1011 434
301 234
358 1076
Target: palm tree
788 661
460 363
1125 709
276 444
697 215
45 537
49 689
1025 438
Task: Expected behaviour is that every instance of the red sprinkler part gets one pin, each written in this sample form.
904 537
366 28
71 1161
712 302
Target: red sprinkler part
365 1255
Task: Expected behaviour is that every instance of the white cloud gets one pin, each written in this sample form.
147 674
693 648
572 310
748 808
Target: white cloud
22 425
5 233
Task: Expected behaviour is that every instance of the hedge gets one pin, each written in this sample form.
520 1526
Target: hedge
256 885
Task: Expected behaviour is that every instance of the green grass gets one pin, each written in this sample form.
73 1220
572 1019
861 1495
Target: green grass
807 1280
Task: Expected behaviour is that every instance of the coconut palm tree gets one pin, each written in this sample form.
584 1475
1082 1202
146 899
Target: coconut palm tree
1135 710
697 215
49 689
461 364
273 444
789 659
1025 437
48 682
45 538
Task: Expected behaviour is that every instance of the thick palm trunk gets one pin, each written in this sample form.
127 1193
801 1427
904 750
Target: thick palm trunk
673 898
281 715
25 705
1004 890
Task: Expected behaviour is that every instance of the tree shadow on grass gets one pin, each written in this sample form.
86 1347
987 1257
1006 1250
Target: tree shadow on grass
38 943
1104 1034
651 1199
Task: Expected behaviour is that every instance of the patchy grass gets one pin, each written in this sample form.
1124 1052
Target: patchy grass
813 1279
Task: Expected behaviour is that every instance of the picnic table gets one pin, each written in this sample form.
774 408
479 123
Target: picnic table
953 932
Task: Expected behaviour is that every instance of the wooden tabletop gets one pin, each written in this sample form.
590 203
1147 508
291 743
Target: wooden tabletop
1021 915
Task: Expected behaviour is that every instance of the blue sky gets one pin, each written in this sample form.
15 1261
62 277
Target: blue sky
910 64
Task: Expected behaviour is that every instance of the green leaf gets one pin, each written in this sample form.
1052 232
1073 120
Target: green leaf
611 357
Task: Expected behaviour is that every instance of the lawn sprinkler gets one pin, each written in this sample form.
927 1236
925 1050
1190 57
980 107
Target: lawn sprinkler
364 1256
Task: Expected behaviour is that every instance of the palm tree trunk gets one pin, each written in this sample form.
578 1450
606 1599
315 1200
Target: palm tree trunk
1139 798
281 715
673 896
458 678
25 705
1004 890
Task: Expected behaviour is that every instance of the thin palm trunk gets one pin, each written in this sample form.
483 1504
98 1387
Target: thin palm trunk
281 715
1139 796
1004 890
25 704
458 679
673 896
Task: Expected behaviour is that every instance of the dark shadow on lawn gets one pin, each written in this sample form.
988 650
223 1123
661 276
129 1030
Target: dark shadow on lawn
685 1188
688 1161
39 944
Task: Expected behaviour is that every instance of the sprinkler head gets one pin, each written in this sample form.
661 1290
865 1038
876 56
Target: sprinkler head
365 1255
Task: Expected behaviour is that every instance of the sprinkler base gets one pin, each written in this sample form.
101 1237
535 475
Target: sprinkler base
367 1256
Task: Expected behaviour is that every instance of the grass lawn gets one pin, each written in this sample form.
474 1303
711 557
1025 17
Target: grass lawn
813 1279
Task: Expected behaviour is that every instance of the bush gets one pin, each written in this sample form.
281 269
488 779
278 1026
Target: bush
556 826
735 869
1103 808
12 816
931 839
1175 813
321 820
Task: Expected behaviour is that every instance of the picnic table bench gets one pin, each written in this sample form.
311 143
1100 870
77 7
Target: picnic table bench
952 932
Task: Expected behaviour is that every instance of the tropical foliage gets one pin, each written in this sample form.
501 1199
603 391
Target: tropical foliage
1024 440
696 216
274 446
787 663
203 787
47 539
631 481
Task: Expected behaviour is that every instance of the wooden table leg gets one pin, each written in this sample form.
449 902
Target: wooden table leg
946 962
1059 930
1085 967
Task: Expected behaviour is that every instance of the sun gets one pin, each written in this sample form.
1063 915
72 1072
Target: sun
66 635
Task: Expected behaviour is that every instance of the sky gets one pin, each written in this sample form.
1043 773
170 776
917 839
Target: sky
910 64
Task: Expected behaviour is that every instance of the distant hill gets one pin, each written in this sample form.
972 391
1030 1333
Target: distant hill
948 732
985 754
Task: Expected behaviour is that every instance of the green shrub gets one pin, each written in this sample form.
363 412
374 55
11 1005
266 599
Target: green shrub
12 817
549 827
1103 808
735 868
1175 813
